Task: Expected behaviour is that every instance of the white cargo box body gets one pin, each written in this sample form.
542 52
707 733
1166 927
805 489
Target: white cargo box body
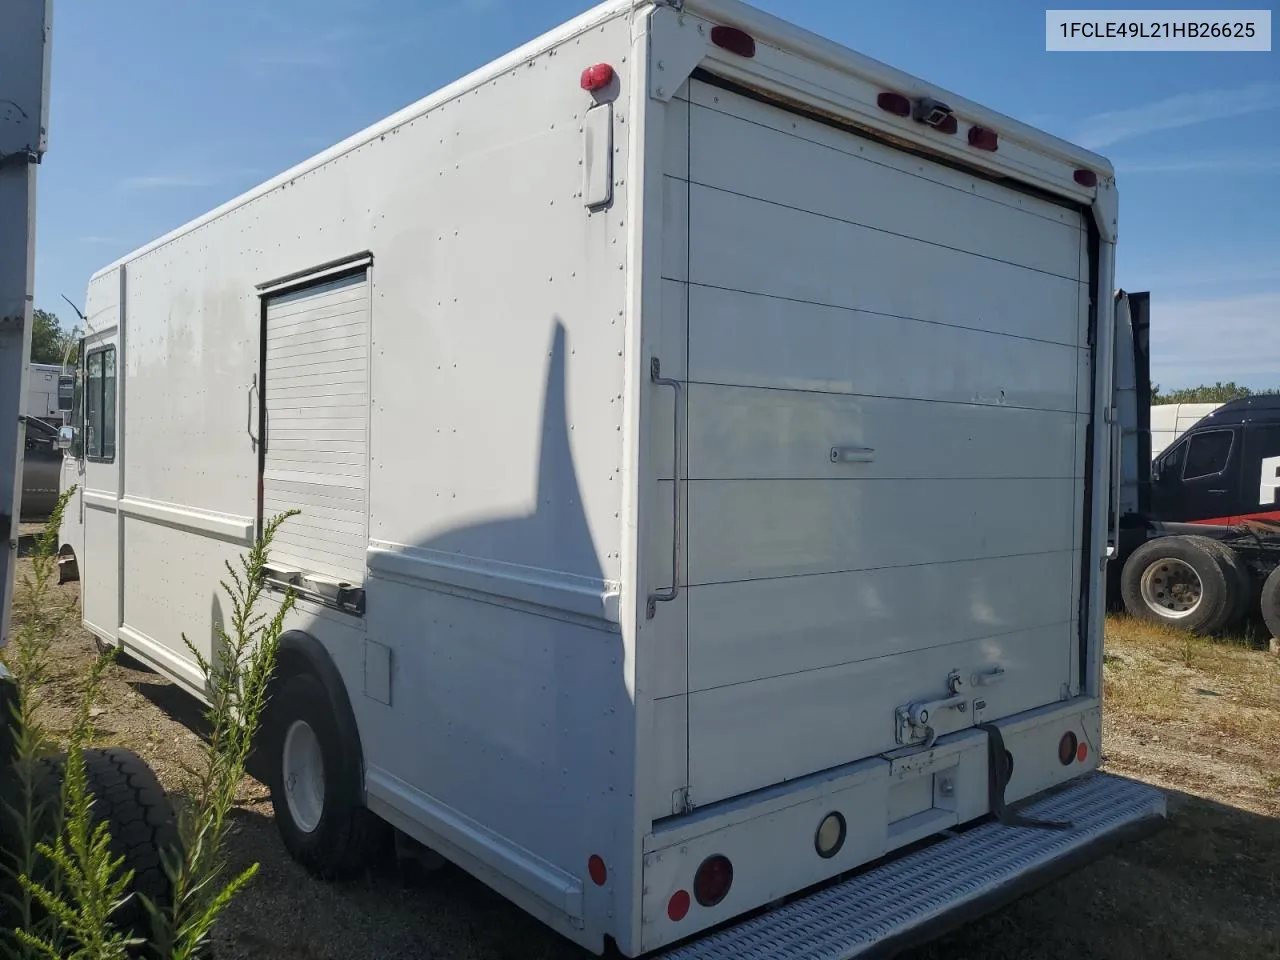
523 352
42 391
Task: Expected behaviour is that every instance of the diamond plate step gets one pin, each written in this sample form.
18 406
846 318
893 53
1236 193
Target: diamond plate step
956 880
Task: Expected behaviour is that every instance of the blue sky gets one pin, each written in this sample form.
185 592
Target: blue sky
163 110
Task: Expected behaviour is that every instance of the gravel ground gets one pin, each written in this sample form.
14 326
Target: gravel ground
1205 888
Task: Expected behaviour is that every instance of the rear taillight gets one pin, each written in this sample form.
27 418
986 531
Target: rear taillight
1067 748
712 881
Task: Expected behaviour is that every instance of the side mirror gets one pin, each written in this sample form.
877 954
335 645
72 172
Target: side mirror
66 393
66 437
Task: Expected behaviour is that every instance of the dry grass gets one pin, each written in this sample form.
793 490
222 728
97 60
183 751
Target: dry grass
1208 709
1200 719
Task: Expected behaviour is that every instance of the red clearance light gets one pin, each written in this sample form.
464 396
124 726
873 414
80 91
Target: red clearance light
1086 178
596 868
712 881
1082 752
678 906
983 139
894 103
597 77
947 125
734 40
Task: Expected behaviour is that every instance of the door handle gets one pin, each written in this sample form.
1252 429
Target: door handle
669 594
1218 493
852 454
253 388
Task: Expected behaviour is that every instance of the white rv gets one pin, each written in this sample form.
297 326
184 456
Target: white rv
702 438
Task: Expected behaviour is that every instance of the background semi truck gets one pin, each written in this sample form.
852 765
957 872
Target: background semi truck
1198 527
650 570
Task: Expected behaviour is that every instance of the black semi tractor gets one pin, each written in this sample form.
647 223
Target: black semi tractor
1198 529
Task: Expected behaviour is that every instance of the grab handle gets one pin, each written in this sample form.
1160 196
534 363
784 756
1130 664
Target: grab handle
253 388
669 594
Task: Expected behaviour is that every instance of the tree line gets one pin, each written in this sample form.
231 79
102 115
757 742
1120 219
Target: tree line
49 342
1217 393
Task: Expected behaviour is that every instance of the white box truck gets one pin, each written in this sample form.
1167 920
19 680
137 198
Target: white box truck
702 436
42 392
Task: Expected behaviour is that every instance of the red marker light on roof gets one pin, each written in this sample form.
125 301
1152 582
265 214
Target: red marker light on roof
894 103
983 139
597 77
1086 178
734 40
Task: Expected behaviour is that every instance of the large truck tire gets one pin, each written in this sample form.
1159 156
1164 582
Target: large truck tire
1178 581
1240 583
1270 602
128 798
319 812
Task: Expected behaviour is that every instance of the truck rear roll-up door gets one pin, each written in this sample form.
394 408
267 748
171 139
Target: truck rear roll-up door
888 395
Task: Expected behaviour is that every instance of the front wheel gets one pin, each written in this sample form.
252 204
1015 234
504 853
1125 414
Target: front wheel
314 790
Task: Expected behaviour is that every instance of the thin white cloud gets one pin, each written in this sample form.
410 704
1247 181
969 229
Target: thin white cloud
1263 271
1204 341
1242 163
292 58
1175 112
164 181
195 176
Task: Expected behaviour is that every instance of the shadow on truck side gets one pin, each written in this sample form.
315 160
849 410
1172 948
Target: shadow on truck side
563 674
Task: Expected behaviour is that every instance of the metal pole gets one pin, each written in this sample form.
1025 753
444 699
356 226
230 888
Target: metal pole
25 35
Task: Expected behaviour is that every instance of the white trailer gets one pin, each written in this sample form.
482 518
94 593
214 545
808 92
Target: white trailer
704 481
1170 420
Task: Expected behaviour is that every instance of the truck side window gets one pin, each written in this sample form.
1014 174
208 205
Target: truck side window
1208 454
1171 462
100 405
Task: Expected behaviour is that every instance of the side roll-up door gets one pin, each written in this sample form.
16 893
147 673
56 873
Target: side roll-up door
316 395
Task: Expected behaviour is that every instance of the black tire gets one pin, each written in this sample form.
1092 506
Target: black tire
347 838
128 798
1270 602
1216 599
1240 582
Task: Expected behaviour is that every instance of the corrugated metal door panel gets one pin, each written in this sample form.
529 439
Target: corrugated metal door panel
884 365
316 390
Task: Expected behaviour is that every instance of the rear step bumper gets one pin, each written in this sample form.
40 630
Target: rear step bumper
925 893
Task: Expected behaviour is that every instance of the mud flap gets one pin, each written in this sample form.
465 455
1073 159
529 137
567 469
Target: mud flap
999 772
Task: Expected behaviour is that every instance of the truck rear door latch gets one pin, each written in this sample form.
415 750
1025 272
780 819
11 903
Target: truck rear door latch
927 719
